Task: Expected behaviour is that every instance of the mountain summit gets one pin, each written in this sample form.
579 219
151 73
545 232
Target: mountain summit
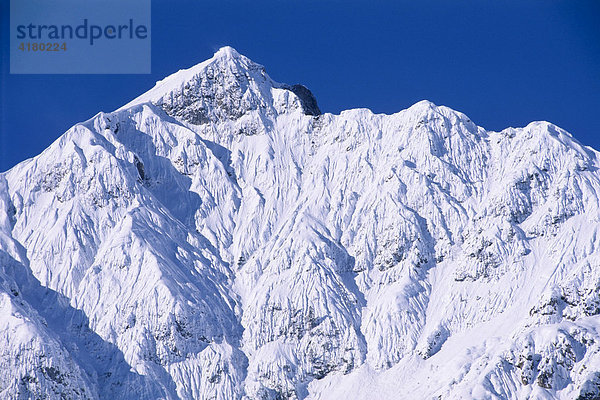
228 86
220 238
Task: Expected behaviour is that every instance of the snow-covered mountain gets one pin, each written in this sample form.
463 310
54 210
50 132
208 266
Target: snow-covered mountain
220 238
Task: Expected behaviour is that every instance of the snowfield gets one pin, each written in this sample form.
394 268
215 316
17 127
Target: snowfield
220 238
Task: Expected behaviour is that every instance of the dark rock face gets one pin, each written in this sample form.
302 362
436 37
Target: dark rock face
215 94
307 99
590 390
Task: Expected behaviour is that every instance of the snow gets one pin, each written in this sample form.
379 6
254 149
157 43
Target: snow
215 239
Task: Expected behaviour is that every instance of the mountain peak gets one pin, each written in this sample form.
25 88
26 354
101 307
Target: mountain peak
224 88
225 61
227 52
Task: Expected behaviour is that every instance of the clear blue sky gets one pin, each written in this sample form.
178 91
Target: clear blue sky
503 63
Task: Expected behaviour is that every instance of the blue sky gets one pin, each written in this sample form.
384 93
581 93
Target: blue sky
503 63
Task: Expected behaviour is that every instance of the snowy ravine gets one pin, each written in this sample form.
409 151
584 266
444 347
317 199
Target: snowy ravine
220 238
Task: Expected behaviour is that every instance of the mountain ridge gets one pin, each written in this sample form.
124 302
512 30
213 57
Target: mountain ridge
230 243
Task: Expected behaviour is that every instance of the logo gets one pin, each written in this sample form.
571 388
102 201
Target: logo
80 37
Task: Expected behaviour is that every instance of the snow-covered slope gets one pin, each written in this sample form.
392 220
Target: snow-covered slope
220 238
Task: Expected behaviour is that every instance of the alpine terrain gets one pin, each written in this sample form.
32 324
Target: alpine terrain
220 238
